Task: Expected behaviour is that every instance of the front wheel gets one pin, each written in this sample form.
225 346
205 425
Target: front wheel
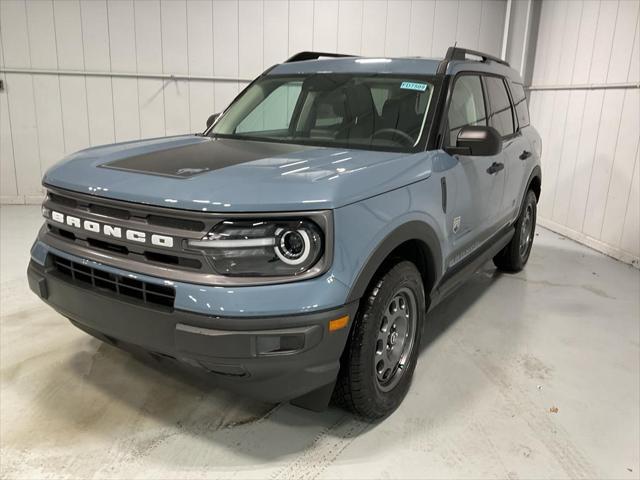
514 256
384 343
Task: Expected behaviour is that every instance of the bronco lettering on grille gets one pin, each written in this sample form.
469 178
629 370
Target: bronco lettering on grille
112 230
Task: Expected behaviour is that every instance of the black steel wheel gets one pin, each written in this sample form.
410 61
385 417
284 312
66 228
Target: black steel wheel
383 347
395 340
515 255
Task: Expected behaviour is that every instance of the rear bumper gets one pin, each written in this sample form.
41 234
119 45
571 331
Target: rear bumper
272 358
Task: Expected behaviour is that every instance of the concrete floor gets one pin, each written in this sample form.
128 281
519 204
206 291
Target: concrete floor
498 359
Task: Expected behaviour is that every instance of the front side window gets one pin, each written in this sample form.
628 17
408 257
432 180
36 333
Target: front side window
501 117
326 109
466 106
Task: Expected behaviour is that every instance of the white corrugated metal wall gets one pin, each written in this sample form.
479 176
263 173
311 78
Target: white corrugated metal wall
44 116
585 101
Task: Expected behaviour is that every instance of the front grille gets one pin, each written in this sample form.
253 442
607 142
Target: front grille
179 225
102 281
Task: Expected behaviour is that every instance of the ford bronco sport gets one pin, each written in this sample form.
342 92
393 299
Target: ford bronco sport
294 248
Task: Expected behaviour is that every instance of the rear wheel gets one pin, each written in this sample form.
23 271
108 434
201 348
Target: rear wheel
514 256
383 347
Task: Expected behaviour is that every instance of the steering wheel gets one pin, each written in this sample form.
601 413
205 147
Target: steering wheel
388 131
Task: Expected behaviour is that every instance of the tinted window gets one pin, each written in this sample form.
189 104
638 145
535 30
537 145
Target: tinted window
520 102
501 117
466 107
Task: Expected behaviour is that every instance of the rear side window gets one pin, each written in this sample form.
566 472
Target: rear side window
466 107
520 102
501 117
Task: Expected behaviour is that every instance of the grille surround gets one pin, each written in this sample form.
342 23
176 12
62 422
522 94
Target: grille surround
102 281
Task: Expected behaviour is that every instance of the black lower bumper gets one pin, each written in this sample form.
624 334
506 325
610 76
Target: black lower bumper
274 358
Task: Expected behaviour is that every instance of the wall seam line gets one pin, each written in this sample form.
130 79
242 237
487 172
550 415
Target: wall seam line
386 25
213 59
633 43
135 51
556 68
164 82
33 93
113 106
238 46
55 35
613 39
593 43
409 33
573 65
626 211
186 31
593 161
135 36
613 163
361 26
564 134
479 26
84 66
575 161
13 148
564 130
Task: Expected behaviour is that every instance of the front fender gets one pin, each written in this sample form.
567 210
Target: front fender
368 231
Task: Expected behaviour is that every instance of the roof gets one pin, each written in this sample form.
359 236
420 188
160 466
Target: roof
390 65
411 66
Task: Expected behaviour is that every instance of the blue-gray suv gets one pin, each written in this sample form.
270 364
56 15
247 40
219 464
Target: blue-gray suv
295 247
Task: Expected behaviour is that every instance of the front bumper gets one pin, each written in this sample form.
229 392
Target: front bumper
274 358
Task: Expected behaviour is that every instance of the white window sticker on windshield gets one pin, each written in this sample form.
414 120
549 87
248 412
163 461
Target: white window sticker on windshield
420 87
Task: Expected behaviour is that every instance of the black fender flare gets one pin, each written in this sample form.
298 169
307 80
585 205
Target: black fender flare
535 173
413 230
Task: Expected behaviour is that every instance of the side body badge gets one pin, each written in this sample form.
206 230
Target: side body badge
456 224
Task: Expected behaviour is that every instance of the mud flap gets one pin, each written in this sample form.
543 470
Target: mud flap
316 400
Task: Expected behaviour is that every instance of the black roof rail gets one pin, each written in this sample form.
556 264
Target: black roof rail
457 53
302 56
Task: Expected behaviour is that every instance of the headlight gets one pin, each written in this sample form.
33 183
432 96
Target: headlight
262 248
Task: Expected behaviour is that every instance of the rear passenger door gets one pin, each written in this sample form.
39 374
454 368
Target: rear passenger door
502 118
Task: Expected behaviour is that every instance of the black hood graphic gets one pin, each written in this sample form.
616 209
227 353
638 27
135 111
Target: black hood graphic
186 161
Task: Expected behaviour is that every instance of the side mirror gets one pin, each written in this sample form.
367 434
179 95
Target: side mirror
212 119
477 141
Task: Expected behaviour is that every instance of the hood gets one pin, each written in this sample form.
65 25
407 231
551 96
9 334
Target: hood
218 175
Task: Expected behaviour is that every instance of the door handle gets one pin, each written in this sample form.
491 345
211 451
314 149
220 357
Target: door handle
525 154
495 168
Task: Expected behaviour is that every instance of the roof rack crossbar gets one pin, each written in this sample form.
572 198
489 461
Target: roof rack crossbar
302 56
457 53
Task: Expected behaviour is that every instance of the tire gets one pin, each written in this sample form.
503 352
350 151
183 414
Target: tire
371 383
514 256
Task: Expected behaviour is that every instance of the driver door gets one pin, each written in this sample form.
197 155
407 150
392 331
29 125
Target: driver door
479 184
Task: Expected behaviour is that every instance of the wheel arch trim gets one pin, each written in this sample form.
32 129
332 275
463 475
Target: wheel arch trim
414 230
536 172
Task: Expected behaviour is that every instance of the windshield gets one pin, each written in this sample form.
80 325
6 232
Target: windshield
336 110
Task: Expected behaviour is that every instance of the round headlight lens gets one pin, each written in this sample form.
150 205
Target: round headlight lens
293 247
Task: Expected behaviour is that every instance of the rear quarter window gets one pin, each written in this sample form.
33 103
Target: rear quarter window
520 102
501 117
